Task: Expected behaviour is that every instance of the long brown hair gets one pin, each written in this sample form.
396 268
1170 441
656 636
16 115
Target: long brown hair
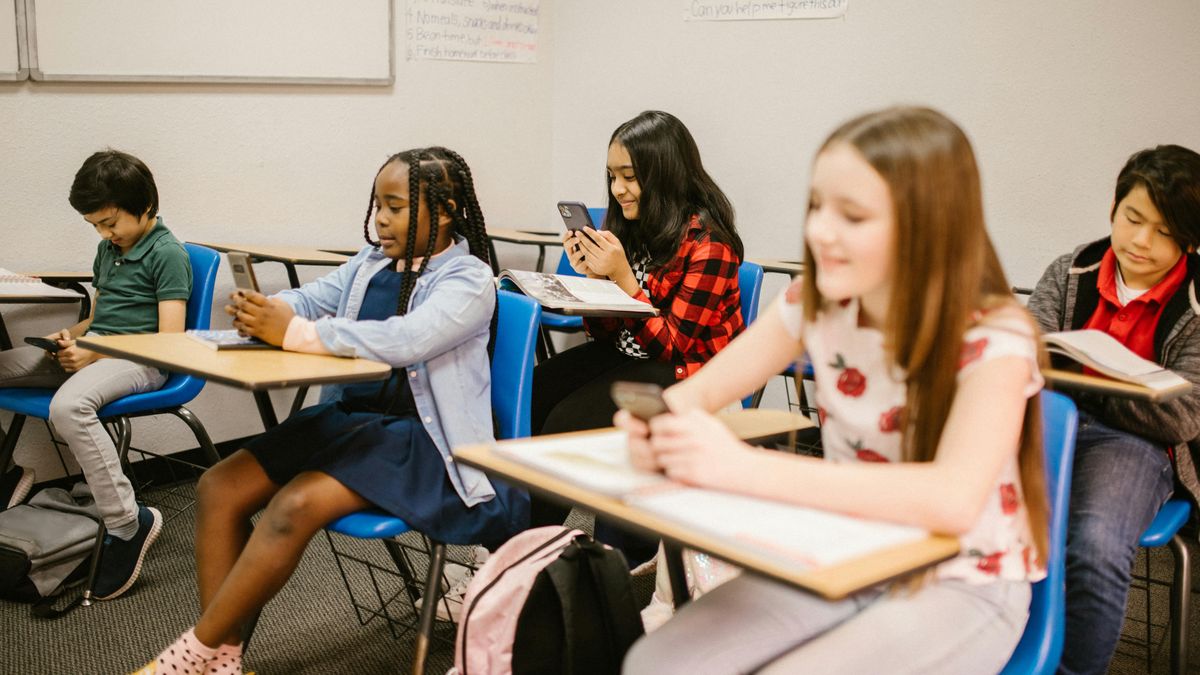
930 168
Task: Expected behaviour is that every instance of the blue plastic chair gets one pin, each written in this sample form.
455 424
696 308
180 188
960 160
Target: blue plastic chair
750 280
171 398
1164 531
1041 645
512 389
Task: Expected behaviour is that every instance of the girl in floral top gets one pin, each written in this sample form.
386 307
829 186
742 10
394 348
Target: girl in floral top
926 381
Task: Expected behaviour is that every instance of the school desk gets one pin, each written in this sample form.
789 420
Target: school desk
538 238
256 370
788 267
72 281
832 582
1059 379
289 256
32 293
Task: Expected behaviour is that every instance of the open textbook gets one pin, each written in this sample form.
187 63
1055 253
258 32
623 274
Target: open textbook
575 295
1104 354
19 285
794 536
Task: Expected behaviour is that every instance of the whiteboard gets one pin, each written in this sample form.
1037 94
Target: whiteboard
279 41
12 40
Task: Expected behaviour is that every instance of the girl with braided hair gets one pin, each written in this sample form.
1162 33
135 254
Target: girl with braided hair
419 297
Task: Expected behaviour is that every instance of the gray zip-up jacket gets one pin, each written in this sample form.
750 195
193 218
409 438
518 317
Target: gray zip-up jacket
1066 297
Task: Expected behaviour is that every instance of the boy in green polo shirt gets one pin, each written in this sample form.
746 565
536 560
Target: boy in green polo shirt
143 279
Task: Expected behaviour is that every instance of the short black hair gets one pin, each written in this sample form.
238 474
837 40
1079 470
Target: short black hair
1171 176
114 178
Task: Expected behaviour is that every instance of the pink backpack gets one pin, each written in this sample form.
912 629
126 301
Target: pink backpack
550 600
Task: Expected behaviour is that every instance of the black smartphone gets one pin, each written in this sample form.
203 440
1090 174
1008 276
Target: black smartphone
243 271
642 399
43 343
575 215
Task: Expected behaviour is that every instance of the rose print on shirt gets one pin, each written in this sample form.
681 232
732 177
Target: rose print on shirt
865 454
988 564
971 351
821 415
1008 499
851 382
891 420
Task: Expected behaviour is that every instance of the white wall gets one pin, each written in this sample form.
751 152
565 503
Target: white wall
1055 96
264 164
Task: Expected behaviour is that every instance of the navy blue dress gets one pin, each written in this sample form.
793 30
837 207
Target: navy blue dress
372 441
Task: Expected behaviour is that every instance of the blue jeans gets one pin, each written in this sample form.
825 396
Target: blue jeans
1118 484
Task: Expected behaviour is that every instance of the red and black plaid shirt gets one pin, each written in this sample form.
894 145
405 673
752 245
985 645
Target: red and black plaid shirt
698 301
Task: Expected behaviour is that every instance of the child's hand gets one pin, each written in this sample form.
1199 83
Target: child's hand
73 358
605 255
264 318
640 454
695 448
575 254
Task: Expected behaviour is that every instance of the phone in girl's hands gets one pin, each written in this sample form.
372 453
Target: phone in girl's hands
243 271
642 399
44 343
575 215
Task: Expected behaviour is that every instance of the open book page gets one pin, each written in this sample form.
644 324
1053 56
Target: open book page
13 284
805 537
1106 355
562 292
598 461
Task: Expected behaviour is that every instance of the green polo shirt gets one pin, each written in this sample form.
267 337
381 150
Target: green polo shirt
157 268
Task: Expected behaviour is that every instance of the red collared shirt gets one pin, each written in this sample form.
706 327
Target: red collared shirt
1134 324
698 301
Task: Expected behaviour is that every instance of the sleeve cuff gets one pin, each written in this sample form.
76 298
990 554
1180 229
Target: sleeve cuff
301 336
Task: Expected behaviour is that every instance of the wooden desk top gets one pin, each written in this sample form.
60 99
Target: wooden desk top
296 255
515 236
792 267
253 369
834 582
1068 379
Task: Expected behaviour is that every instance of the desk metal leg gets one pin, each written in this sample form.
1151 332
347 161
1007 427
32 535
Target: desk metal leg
266 410
541 257
676 574
8 441
293 278
5 342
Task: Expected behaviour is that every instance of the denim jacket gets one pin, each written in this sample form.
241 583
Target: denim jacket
442 341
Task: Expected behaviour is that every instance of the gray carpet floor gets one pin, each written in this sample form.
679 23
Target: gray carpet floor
311 626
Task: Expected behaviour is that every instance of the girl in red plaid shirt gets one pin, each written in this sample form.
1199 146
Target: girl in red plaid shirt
668 240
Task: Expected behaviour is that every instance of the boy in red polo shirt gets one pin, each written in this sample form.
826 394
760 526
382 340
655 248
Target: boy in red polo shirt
1141 285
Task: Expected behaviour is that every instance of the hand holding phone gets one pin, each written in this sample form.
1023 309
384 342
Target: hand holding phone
44 343
643 400
243 271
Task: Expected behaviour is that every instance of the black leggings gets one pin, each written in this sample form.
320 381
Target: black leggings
571 393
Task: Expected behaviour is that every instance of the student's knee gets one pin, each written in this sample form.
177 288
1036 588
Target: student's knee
1095 545
290 513
70 411
223 488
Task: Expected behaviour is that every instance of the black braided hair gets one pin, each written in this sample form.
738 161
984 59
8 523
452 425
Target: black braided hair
439 176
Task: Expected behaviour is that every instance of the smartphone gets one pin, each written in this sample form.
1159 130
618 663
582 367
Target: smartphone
575 215
44 343
643 400
243 271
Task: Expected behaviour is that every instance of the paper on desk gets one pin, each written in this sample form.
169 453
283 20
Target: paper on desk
801 536
598 461
23 285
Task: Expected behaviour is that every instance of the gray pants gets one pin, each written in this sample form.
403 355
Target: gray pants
73 416
751 624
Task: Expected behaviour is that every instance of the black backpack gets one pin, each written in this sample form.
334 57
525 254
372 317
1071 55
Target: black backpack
577 614
45 546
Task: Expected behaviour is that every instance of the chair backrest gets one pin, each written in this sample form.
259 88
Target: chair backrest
564 265
1040 648
597 214
205 262
512 362
750 278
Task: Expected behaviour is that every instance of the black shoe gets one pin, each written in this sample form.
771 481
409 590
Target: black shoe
14 486
121 561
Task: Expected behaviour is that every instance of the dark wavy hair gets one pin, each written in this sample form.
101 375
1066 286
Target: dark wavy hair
1171 176
114 178
674 187
439 176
